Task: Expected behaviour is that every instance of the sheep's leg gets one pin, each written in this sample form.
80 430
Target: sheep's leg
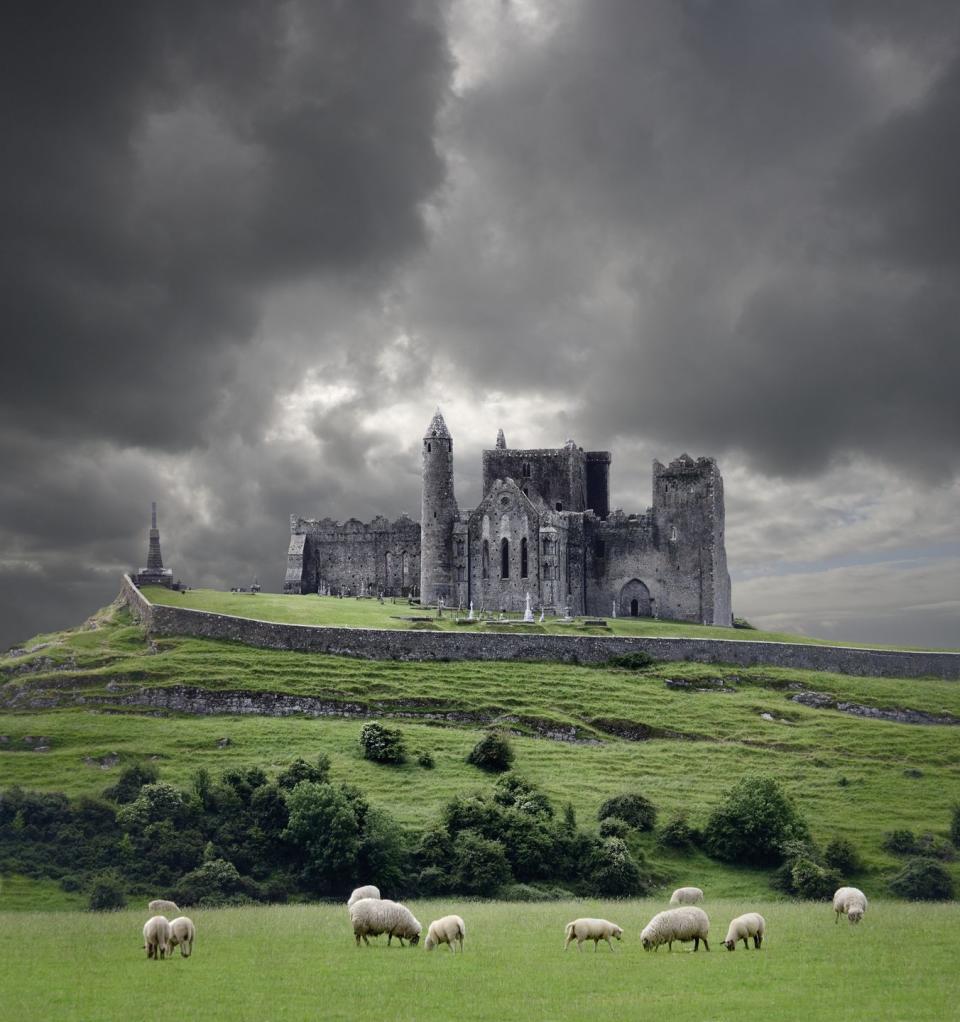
706 946
696 943
757 941
609 945
837 920
579 943
746 944
453 950
596 944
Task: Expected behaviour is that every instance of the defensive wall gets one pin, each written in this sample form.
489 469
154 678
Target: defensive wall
390 644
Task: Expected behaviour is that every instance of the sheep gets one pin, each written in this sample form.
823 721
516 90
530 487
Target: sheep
686 896
161 905
364 892
750 924
852 901
448 930
686 923
182 932
371 917
591 929
156 937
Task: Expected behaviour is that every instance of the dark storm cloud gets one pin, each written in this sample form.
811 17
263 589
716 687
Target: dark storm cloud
772 208
164 164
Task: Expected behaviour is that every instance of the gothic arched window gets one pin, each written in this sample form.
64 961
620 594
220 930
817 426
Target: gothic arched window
504 558
485 560
523 557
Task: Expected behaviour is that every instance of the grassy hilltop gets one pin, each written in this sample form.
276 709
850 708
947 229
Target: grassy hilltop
76 706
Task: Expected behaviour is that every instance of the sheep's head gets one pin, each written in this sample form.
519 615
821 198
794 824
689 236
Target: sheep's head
648 944
430 943
729 944
415 939
618 933
855 915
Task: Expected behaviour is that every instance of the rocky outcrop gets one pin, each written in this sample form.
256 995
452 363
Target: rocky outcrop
899 715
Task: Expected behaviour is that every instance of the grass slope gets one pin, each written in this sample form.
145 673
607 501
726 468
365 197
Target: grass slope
370 613
297 963
851 776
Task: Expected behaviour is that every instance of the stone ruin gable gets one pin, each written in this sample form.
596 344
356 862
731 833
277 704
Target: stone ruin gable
558 475
506 515
353 557
689 527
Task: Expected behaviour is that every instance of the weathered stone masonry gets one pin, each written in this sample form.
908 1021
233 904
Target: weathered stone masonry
386 644
543 527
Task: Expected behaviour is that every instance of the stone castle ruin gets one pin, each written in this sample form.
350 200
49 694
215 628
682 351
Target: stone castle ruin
543 527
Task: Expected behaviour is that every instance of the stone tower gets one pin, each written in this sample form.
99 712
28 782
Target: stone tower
154 574
438 513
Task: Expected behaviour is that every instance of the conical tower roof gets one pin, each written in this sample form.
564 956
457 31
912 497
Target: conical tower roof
437 427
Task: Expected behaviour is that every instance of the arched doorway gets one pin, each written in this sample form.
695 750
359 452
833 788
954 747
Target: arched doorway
634 600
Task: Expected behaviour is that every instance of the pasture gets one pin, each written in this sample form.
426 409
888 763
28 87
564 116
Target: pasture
300 962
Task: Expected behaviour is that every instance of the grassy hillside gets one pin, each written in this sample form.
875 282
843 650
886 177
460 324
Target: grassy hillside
300 962
370 613
65 725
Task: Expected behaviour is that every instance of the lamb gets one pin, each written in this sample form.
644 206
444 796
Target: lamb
182 932
371 917
852 901
156 937
448 930
750 924
364 892
686 923
686 896
160 905
591 929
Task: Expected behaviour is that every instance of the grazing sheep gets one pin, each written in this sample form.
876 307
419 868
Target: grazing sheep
750 924
591 929
156 937
161 905
371 917
683 924
686 896
852 901
182 932
448 930
364 892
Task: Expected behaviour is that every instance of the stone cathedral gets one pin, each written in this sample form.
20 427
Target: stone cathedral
543 527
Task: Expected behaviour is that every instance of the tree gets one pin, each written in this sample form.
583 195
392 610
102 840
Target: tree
382 744
300 770
493 753
323 827
132 778
106 893
753 824
632 807
922 879
480 865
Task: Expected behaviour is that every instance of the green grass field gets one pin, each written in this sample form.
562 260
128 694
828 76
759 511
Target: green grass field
370 613
300 962
852 777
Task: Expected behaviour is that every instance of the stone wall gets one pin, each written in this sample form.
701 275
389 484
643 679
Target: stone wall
386 644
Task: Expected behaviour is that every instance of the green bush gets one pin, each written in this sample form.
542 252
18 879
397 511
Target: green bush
300 770
426 760
513 792
382 744
106 893
842 855
493 753
132 778
811 881
480 865
615 873
753 824
632 807
613 826
211 883
922 879
899 842
742 622
71 883
678 834
532 893
955 825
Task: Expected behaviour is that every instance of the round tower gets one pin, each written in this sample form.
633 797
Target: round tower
437 514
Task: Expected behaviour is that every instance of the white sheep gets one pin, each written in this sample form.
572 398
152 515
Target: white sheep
683 924
364 892
448 930
371 917
591 929
852 901
161 905
686 896
156 937
750 924
182 932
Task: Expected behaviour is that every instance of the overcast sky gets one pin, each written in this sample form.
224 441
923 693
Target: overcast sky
249 246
